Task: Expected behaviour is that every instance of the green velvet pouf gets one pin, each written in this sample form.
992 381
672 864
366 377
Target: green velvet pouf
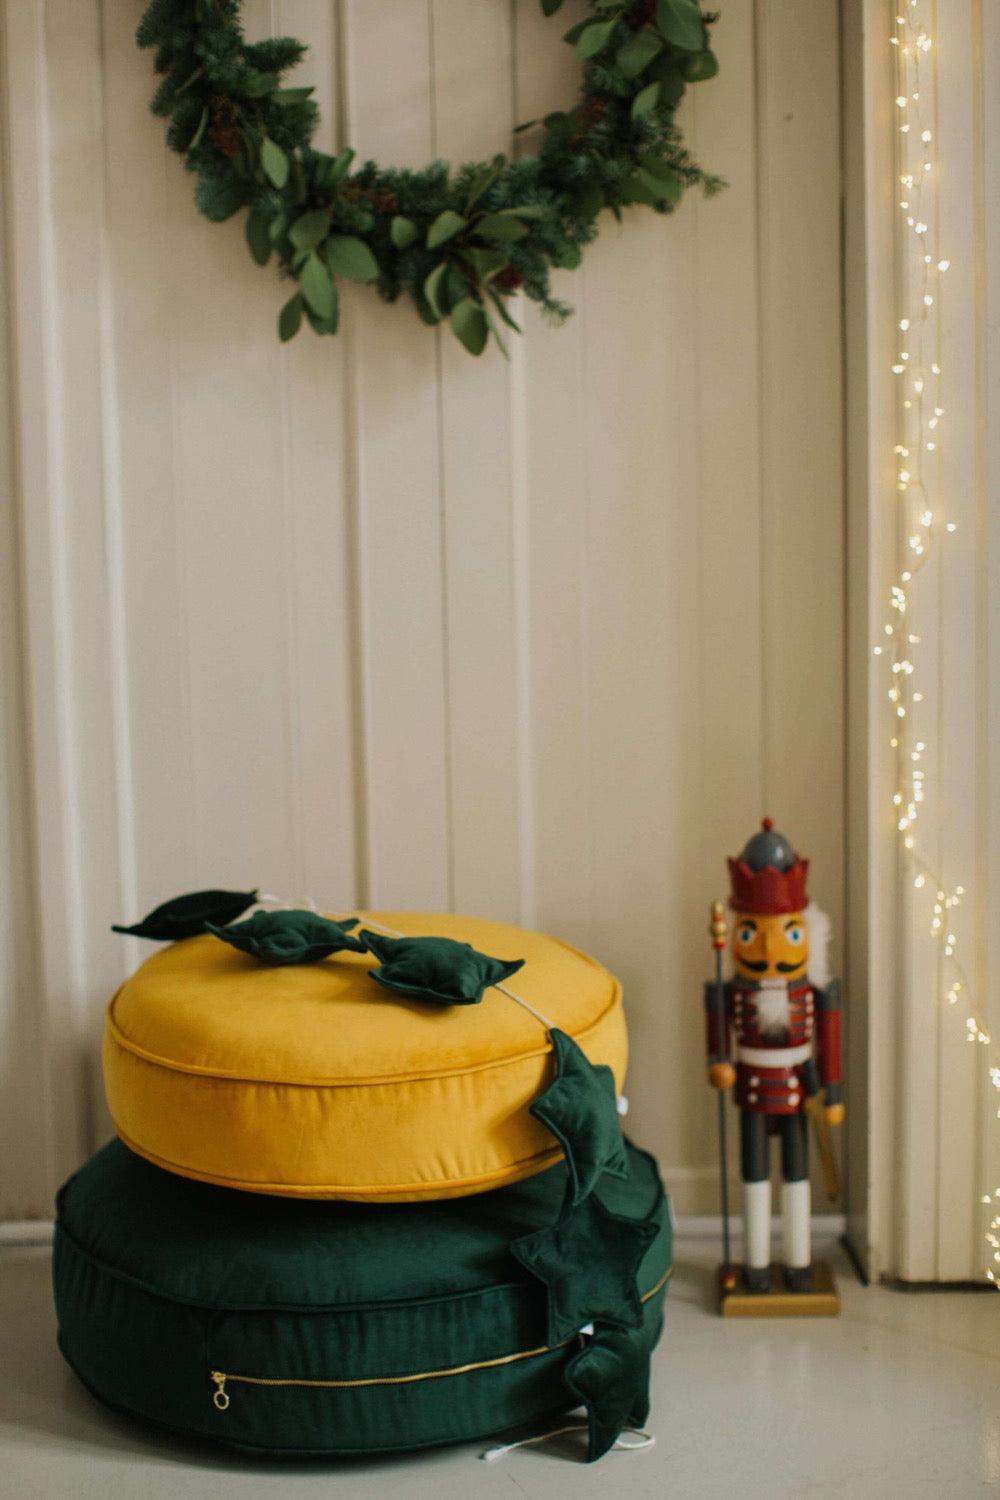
289 1326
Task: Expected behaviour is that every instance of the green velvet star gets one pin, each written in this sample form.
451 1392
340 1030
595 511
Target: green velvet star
588 1260
290 937
187 916
610 1376
580 1108
436 970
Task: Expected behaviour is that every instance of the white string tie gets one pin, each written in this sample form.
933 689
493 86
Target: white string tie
632 1440
283 903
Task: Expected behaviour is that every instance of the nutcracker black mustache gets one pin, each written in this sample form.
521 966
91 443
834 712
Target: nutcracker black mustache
759 965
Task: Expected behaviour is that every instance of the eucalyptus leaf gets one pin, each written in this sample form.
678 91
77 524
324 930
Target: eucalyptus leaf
595 37
433 287
341 165
702 66
351 257
187 916
667 71
317 288
330 170
469 324
501 228
483 180
638 52
326 325
309 229
292 96
290 318
645 188
524 211
549 7
258 233
447 224
568 258
486 263
456 287
645 102
403 232
274 161
681 23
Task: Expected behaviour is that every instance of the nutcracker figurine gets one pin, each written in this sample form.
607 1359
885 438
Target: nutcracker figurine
782 1019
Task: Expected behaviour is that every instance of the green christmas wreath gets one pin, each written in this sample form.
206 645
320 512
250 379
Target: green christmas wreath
460 243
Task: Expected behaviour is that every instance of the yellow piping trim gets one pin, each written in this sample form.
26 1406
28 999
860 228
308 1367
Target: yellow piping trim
426 1075
525 1166
222 1379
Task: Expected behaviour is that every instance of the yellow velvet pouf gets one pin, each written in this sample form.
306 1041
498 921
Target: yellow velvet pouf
314 1081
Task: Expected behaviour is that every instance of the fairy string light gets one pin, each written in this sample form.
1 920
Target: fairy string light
923 524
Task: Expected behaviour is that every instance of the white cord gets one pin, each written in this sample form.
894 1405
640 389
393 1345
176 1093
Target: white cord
644 1440
282 903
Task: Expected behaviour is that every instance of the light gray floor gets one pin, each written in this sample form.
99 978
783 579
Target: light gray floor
900 1397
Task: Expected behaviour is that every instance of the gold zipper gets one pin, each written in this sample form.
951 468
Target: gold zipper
221 1378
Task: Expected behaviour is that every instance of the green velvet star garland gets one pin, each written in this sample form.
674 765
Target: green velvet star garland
580 1107
436 970
588 1259
610 1377
187 916
290 937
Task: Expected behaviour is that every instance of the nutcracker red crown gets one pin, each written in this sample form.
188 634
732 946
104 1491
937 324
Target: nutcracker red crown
768 878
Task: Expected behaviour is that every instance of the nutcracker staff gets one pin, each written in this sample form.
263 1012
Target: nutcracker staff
782 1025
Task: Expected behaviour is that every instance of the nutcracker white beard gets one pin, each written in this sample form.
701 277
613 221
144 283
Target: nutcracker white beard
773 1016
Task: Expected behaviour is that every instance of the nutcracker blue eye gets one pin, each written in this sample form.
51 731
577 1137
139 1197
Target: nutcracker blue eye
795 935
745 935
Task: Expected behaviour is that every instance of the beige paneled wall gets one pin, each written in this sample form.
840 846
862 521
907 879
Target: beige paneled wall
365 620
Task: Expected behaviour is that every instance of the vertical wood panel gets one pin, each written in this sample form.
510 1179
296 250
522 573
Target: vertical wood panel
558 488
389 115
722 765
799 349
988 531
24 1113
473 121
960 495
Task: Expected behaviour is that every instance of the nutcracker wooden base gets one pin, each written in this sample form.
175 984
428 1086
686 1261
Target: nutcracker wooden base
820 1301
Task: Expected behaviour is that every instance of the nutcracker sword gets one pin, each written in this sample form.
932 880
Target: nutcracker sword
717 932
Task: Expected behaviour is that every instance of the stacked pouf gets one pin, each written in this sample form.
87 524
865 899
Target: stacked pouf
371 1192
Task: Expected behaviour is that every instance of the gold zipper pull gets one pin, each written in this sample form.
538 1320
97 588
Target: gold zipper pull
219 1396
